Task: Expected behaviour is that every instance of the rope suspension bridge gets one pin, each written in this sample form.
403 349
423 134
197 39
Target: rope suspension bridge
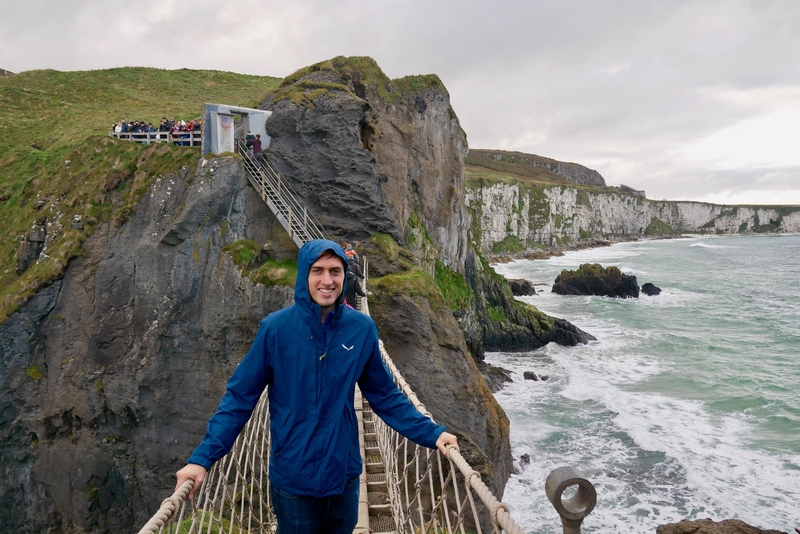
405 488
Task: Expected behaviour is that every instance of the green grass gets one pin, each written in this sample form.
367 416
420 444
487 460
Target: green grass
358 71
514 164
275 273
412 283
245 254
455 290
34 373
211 523
68 115
387 247
510 243
498 314
659 227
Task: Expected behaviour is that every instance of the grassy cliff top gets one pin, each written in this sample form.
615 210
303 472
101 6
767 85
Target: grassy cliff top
516 165
356 72
67 115
486 167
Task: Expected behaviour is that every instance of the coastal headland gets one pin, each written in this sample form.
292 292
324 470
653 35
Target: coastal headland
131 288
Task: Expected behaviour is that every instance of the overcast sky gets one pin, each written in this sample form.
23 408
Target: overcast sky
696 100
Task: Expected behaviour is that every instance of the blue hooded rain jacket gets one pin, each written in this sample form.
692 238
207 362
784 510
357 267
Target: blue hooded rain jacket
311 370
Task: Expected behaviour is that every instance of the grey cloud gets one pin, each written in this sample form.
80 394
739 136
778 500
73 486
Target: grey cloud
619 85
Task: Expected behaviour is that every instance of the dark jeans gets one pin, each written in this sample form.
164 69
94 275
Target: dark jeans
337 514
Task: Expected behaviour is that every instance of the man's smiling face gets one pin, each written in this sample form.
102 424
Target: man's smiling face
325 281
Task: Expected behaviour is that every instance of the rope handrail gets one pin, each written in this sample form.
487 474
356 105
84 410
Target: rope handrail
500 513
167 510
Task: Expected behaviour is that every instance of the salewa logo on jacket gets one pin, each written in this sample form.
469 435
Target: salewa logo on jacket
347 348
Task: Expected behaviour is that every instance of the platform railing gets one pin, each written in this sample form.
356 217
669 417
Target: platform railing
192 138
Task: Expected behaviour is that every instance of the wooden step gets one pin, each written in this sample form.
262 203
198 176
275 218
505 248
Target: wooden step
382 525
379 505
377 482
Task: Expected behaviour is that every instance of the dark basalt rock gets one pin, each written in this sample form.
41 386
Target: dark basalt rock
366 161
497 377
707 526
31 245
530 375
521 287
95 412
593 279
523 329
651 290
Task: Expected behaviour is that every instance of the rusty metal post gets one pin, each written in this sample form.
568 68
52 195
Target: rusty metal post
574 509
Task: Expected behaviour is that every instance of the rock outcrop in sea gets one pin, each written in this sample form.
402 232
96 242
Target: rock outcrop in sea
594 279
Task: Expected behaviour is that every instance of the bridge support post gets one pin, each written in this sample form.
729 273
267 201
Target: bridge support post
573 509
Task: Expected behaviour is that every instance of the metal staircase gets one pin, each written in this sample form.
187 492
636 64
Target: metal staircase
300 224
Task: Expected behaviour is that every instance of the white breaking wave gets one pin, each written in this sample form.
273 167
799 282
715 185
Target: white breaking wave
685 407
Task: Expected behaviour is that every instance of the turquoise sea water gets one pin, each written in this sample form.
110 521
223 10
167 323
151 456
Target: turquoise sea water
687 405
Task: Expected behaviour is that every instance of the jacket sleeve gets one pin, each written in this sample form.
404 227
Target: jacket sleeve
243 391
392 405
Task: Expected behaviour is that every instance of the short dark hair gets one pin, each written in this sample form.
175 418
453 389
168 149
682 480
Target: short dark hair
329 252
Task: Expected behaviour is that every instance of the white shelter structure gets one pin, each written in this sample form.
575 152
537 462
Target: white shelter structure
221 122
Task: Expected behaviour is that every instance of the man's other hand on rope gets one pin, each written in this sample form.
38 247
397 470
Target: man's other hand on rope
445 439
191 472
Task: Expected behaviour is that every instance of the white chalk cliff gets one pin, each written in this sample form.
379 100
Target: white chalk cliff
525 215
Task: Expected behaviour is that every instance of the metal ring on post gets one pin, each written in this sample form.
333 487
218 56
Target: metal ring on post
573 510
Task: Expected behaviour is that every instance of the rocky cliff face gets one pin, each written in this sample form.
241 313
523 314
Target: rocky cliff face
529 215
109 375
370 153
375 155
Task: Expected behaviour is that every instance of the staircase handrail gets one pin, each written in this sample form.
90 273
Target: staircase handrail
272 185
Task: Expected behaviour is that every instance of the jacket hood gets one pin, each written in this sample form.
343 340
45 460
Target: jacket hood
309 253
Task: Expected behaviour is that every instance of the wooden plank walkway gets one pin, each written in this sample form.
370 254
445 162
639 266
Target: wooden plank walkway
374 508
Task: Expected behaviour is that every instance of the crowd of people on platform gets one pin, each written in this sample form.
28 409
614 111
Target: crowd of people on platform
177 130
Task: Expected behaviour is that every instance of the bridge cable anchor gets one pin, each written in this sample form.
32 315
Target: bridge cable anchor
576 507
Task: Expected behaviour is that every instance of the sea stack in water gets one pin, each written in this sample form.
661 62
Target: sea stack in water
521 287
593 279
651 289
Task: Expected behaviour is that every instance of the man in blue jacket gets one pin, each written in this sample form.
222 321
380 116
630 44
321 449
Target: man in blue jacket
311 355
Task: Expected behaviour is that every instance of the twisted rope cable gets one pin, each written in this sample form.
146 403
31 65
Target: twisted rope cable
167 509
500 515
